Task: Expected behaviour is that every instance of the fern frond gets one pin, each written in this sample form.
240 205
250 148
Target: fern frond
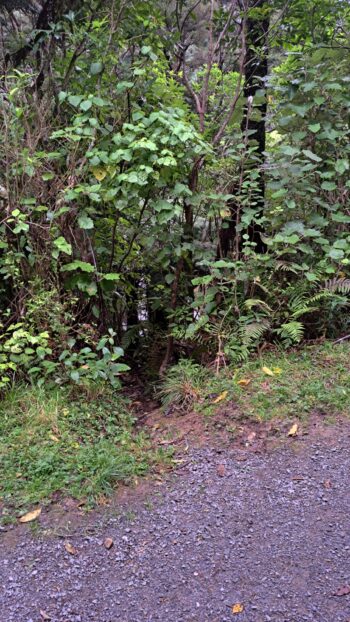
255 302
320 296
291 332
283 266
254 331
341 285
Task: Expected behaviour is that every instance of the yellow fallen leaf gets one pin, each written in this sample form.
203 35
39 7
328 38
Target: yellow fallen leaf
70 548
294 430
267 371
277 370
220 397
244 382
237 608
225 213
99 173
27 518
54 438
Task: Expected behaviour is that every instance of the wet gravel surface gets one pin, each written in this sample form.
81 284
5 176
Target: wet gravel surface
271 532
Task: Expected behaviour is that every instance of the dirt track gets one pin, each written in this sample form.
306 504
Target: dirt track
269 534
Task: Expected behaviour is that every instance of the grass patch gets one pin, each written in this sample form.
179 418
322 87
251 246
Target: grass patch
315 378
78 445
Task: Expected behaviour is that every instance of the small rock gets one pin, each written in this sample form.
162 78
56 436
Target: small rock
108 543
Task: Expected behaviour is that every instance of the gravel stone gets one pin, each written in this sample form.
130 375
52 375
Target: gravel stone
268 535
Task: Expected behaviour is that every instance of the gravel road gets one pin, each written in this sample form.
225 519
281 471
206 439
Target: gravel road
269 534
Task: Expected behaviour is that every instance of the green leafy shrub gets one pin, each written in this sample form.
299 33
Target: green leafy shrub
42 349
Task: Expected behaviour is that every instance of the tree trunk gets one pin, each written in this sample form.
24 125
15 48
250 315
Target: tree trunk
254 115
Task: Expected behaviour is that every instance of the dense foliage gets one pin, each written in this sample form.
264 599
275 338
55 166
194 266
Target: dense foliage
174 182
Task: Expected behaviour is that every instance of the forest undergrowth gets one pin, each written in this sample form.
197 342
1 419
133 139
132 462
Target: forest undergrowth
174 206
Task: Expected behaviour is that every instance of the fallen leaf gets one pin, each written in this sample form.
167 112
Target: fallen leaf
108 543
220 397
344 590
327 483
244 382
293 430
27 518
265 385
251 436
102 499
277 370
54 438
70 548
221 470
237 608
44 615
99 173
267 371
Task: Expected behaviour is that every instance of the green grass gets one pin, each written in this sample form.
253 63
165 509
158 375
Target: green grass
306 380
54 442
314 379
83 444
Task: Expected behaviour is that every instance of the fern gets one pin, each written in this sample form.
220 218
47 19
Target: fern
304 303
254 331
255 302
341 285
283 266
291 332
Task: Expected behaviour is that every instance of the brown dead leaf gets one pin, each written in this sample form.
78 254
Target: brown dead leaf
44 615
327 483
343 590
102 499
70 548
27 518
237 608
108 543
220 397
243 382
220 469
293 430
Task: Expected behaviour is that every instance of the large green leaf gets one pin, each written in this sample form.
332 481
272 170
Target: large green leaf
78 265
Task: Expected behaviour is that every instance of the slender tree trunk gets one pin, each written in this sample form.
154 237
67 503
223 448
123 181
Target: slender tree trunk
254 115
